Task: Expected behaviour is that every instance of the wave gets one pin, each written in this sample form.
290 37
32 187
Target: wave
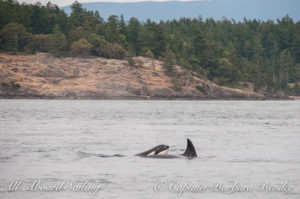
84 155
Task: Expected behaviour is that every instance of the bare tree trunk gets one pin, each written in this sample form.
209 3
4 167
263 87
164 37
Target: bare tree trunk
273 71
16 41
153 64
281 79
287 77
187 76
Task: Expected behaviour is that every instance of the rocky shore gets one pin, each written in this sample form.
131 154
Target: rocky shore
43 76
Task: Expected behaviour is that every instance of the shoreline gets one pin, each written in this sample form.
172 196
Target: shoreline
43 76
150 98
295 97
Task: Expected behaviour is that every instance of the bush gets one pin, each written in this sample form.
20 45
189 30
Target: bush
78 33
11 85
118 52
40 43
114 51
294 89
29 51
135 62
131 61
81 48
177 87
14 37
149 54
139 63
201 88
97 41
176 84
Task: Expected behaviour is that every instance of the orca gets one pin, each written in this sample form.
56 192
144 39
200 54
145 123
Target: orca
161 151
158 150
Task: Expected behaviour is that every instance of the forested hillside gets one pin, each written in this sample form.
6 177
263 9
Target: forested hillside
265 54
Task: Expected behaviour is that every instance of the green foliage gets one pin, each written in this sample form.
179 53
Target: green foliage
149 54
58 42
201 88
228 73
81 48
132 31
153 37
294 90
40 42
77 34
112 29
139 63
169 62
131 61
176 84
135 62
112 51
264 53
14 37
118 51
98 42
10 85
285 63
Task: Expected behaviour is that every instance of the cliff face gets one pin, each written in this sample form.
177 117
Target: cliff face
44 76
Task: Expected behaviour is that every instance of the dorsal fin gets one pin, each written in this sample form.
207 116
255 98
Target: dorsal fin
190 150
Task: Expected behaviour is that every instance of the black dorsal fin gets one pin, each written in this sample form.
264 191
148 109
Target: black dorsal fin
190 150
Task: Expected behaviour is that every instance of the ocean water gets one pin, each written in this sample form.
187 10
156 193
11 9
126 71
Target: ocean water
85 149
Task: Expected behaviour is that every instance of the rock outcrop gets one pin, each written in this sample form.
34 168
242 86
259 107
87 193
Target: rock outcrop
44 76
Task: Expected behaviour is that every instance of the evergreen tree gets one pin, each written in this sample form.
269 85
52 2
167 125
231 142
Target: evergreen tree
263 53
14 37
132 32
58 45
285 63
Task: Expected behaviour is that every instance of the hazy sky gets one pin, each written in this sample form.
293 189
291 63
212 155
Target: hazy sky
69 2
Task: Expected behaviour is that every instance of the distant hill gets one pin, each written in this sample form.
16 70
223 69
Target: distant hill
231 9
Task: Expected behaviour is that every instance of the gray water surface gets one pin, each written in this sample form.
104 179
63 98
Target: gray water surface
55 141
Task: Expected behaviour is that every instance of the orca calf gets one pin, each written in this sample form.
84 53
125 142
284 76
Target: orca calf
161 151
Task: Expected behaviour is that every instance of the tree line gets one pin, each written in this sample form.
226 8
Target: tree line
263 53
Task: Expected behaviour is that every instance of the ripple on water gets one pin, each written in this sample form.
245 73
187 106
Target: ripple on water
245 141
